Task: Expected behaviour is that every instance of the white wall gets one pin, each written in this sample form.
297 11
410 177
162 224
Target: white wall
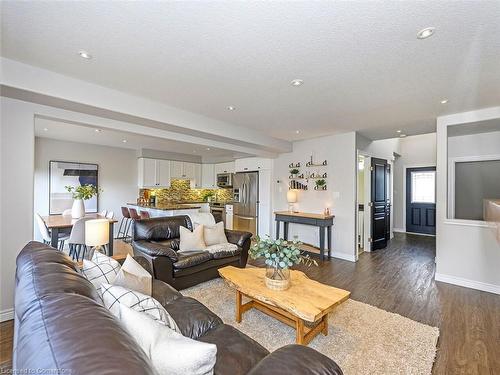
474 144
117 172
415 151
340 151
467 252
16 209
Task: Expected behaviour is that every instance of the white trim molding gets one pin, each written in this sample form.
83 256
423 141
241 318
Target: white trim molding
7 314
399 230
467 283
344 256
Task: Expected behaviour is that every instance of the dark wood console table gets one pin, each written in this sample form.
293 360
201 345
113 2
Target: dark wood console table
324 222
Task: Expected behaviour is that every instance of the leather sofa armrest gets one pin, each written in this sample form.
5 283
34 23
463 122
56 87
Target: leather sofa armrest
296 360
154 249
238 237
164 293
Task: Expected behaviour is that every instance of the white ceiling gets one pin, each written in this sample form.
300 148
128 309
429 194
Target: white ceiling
64 131
362 66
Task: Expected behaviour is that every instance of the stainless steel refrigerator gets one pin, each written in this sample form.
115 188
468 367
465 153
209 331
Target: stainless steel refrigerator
246 202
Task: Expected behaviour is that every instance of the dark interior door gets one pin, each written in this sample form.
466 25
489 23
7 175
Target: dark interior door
421 200
380 205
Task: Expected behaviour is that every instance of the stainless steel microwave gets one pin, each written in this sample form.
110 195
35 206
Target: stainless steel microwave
224 180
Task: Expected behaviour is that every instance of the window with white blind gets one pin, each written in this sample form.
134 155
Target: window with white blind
423 187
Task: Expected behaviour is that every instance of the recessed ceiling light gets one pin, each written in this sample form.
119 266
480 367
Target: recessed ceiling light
297 82
444 101
124 140
297 131
84 55
97 130
230 108
208 148
398 131
402 135
45 129
426 33
194 151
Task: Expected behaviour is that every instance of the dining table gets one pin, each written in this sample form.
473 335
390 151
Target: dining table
57 223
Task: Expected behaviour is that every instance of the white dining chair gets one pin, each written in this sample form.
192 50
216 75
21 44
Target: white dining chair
46 237
110 215
103 213
76 239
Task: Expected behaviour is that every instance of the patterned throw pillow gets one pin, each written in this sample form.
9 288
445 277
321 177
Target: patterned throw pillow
101 269
113 296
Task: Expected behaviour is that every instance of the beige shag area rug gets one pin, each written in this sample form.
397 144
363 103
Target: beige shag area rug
362 339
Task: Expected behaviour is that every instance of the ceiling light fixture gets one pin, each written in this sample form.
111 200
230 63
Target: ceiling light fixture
84 55
426 33
444 101
398 131
402 135
230 108
45 129
97 130
297 82
208 148
124 140
297 131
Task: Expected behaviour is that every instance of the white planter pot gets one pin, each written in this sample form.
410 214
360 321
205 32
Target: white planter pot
78 209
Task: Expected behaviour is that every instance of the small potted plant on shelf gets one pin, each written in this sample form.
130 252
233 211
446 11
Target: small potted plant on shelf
294 172
279 256
320 184
80 193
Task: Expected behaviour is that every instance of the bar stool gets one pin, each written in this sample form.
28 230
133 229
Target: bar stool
144 215
124 224
133 216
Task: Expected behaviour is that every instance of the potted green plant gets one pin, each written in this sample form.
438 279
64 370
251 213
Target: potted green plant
294 172
80 193
320 184
279 256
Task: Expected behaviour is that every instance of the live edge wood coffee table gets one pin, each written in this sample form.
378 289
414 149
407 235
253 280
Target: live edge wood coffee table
304 306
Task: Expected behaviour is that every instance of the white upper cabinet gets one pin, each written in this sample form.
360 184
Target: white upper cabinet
208 180
252 164
224 167
196 182
176 169
189 171
153 173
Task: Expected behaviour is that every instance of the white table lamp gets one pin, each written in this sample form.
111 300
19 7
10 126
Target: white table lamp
291 197
96 234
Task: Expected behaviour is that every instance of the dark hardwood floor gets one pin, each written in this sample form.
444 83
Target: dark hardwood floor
400 279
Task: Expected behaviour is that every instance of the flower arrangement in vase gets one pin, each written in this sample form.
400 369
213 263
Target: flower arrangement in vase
80 193
279 256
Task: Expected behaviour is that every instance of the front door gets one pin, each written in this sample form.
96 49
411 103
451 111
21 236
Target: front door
421 200
380 204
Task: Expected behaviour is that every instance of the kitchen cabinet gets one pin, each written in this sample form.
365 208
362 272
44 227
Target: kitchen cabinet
189 171
208 179
252 164
196 182
224 167
176 169
153 173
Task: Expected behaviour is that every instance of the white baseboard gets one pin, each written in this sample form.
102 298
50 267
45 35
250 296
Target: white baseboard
6 315
479 285
344 256
399 230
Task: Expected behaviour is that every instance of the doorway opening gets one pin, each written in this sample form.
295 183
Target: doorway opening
362 200
421 200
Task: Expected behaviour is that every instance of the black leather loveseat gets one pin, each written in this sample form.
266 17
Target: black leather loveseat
61 327
157 240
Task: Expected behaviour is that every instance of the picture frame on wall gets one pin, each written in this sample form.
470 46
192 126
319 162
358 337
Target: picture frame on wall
67 173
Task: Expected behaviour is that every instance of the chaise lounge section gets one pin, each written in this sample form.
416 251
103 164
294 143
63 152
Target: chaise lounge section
61 326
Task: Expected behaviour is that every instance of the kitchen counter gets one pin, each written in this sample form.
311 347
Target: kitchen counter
168 206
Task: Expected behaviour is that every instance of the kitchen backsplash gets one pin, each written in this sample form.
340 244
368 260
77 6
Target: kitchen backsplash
180 191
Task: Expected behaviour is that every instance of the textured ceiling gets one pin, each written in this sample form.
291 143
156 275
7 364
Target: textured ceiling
362 66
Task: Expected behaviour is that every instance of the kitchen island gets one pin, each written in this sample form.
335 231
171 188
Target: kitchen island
170 209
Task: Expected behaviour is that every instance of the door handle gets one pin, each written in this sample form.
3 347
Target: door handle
245 217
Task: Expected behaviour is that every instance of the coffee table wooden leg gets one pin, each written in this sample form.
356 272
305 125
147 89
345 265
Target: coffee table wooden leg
238 306
299 327
325 325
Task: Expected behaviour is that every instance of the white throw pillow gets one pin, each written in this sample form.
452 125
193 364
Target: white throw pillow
191 240
170 352
214 234
101 269
133 276
114 296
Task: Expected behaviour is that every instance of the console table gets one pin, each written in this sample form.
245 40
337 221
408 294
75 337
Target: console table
323 222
